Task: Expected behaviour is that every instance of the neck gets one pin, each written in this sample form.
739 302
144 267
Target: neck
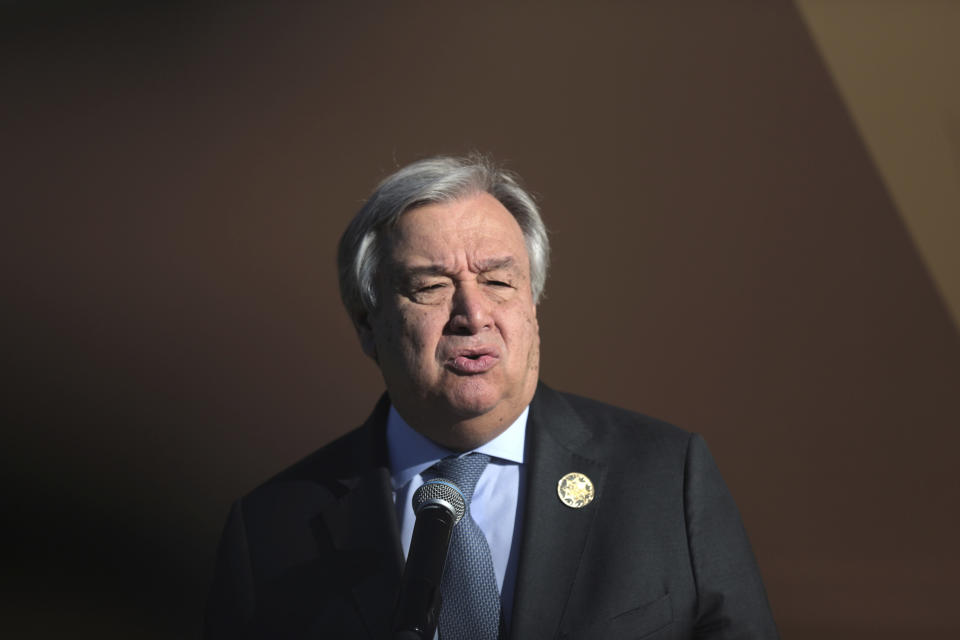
460 433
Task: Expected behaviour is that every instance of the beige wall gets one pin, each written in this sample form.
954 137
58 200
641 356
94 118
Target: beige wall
732 253
895 64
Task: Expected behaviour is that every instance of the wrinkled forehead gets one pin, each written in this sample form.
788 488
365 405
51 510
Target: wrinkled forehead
478 228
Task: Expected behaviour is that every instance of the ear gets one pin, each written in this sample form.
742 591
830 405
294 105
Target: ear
365 332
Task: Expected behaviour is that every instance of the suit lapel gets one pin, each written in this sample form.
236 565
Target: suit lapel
362 525
554 534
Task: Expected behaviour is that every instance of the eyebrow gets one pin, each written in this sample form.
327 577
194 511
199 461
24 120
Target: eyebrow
491 264
496 263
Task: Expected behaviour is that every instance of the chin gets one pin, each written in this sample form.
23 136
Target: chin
471 402
472 407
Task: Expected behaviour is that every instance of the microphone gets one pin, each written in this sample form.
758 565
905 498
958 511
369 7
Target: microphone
439 505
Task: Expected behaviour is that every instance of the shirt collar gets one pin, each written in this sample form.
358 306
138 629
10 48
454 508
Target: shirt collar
412 452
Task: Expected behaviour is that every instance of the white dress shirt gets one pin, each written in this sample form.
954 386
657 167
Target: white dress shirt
497 500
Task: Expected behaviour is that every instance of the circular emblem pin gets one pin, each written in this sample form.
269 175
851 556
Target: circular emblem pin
575 490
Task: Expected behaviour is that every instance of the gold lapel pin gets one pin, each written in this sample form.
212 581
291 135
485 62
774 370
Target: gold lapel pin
575 490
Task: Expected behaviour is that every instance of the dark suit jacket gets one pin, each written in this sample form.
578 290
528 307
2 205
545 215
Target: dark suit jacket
659 553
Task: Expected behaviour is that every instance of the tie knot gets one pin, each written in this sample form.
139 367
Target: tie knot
463 471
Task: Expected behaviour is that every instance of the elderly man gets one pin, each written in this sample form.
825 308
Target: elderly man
583 520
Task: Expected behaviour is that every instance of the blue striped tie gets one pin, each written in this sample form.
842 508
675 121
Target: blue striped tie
471 600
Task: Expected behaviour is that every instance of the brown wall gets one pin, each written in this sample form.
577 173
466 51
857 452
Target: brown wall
726 257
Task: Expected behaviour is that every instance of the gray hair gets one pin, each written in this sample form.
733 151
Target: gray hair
434 180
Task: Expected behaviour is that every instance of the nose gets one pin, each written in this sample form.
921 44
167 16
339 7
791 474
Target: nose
470 312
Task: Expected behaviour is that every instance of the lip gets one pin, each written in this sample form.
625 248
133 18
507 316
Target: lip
473 361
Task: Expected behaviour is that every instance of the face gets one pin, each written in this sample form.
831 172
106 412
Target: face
455 333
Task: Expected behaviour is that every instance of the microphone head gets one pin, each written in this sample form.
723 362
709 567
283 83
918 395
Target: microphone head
440 493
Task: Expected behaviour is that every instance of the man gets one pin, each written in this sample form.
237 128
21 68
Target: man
586 521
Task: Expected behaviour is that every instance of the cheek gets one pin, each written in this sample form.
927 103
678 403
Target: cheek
533 326
534 359
527 333
415 334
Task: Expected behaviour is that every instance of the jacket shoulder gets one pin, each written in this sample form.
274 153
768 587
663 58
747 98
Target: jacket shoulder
613 424
349 456
333 460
